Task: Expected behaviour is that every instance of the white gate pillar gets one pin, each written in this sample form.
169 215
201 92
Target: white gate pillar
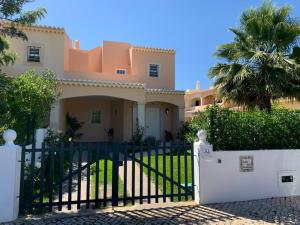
202 151
10 169
55 116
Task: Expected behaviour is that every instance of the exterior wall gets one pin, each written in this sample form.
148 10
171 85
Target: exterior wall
95 59
52 52
290 104
175 99
67 47
263 182
133 94
166 62
115 113
115 55
101 64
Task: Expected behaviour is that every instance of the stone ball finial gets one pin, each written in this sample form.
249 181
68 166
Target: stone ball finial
9 136
201 134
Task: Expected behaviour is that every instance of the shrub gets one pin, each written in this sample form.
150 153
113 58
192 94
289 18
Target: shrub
28 97
248 130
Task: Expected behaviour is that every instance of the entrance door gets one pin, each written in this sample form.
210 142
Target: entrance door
152 122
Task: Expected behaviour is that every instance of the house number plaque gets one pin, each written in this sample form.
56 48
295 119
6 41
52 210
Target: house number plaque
246 163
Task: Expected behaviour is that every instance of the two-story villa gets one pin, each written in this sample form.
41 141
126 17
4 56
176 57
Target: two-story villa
109 87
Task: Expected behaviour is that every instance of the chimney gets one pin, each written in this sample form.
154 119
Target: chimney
197 85
77 44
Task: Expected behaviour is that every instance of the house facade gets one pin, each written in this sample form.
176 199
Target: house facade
112 87
197 100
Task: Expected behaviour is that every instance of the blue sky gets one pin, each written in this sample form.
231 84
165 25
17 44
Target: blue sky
193 27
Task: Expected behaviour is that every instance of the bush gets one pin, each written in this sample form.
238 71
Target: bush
27 99
249 130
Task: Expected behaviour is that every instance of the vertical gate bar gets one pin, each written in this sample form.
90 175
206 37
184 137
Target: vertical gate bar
192 165
125 175
42 177
156 172
141 173
179 173
105 176
97 177
70 176
51 179
164 173
185 173
21 199
79 175
61 175
149 174
31 184
133 176
115 175
172 173
88 174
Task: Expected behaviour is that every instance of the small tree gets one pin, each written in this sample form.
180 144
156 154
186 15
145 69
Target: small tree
31 96
261 64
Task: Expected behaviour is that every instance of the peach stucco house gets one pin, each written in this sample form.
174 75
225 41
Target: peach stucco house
197 100
110 86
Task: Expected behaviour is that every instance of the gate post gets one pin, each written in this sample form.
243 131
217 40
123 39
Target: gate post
202 151
115 174
10 169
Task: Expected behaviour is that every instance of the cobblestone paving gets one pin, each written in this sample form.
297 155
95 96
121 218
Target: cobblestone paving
267 211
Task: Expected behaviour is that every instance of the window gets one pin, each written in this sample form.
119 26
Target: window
96 117
120 71
153 70
33 54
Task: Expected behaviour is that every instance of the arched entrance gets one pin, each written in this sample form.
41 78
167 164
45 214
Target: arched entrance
103 118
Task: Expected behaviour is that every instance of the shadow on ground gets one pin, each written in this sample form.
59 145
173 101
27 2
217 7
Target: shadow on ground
267 211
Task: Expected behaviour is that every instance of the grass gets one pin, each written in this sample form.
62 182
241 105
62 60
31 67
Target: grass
101 179
175 172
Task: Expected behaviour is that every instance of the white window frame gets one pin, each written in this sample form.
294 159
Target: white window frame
42 54
29 47
125 72
158 71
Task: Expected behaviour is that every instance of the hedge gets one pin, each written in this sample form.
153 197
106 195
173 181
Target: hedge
247 130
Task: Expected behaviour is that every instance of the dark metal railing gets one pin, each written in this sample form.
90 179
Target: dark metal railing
89 174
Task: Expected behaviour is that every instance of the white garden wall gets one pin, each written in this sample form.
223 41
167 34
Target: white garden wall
221 179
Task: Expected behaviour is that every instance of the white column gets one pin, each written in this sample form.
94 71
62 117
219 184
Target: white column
55 116
202 152
141 114
181 114
10 169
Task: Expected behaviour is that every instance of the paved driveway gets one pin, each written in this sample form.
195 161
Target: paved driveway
267 211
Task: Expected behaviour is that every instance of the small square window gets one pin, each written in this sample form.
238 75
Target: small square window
153 70
120 71
96 117
33 54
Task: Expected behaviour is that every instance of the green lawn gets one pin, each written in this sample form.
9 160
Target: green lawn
101 179
169 172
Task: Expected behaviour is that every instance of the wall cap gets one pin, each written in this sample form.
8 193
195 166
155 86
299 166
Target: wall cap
9 137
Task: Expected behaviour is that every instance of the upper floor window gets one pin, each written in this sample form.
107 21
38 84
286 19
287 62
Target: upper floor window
120 71
33 54
153 70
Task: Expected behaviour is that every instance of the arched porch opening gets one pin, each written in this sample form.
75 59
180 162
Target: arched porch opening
103 118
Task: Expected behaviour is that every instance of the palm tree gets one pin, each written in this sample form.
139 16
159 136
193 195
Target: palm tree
262 63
